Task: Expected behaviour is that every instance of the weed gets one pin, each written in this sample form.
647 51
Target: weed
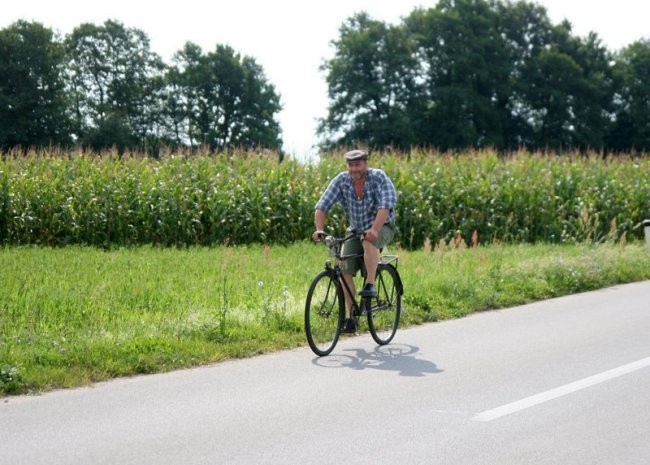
10 379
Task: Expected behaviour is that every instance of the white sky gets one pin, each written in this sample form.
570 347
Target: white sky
291 38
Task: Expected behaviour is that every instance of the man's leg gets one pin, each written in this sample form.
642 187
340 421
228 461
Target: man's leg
350 324
350 268
371 259
349 280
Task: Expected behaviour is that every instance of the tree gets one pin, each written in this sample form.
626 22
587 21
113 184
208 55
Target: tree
32 96
526 31
631 129
372 86
567 91
112 76
221 100
466 72
594 103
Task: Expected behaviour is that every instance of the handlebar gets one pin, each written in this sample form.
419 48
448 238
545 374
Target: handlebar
332 240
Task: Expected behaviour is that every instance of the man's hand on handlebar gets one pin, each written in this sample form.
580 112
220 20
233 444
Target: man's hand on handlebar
318 235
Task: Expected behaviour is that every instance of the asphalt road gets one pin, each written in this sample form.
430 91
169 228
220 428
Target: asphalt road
564 381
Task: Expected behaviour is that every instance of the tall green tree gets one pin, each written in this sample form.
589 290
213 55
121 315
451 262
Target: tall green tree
568 92
221 100
371 85
631 130
466 71
32 95
526 31
112 77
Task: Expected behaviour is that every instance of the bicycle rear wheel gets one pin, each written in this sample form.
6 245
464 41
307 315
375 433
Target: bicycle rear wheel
385 309
324 313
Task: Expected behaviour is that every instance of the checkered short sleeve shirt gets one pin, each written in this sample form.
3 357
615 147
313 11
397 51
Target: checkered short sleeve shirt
378 192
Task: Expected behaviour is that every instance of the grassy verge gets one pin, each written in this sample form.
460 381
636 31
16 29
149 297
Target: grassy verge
71 316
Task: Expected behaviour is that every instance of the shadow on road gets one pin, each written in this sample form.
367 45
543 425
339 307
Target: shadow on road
393 357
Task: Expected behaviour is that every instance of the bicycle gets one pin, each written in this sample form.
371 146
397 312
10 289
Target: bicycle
325 305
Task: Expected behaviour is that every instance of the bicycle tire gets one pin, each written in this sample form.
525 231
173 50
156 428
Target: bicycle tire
385 309
324 313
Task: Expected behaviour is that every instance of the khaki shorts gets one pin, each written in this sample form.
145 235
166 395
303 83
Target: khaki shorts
353 246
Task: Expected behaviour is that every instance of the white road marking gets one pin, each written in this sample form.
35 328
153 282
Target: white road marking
542 397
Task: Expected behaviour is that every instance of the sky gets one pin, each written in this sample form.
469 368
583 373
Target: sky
290 39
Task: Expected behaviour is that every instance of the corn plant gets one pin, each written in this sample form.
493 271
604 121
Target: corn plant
109 201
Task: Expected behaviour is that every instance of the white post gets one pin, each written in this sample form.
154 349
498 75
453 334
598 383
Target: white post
646 230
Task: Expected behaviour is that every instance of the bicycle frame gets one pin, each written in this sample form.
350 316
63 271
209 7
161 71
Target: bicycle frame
335 246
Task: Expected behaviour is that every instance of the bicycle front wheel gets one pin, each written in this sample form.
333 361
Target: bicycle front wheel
324 313
385 309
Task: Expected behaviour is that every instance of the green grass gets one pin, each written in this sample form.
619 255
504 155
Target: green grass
75 315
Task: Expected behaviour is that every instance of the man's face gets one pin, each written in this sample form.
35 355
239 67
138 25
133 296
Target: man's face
357 169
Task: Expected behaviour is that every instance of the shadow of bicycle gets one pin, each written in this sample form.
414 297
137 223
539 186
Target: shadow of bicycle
392 357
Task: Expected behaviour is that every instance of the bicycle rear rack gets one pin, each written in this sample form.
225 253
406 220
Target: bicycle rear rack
385 259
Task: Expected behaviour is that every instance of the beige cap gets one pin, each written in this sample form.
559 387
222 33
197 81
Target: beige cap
354 155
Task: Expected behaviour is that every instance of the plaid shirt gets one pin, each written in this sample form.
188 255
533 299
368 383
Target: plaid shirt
378 192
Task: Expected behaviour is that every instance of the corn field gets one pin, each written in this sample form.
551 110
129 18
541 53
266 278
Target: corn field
108 201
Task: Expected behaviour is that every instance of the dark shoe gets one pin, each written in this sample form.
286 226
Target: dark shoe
349 326
369 290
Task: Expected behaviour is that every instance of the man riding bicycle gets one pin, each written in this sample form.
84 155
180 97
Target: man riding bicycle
368 197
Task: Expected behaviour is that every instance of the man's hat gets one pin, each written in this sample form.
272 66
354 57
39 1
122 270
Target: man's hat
354 155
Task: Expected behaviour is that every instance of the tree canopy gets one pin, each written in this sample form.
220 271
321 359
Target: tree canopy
33 106
111 76
483 73
220 100
102 87
465 74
